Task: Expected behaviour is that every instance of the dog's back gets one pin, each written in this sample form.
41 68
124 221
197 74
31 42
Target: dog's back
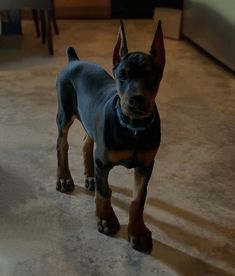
85 87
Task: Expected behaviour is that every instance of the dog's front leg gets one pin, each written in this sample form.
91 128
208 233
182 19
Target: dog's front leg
107 221
139 235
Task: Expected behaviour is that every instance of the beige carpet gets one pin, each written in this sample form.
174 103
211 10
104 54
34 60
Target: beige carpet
190 207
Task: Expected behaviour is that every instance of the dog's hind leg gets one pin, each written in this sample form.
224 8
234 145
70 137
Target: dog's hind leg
88 163
64 180
64 119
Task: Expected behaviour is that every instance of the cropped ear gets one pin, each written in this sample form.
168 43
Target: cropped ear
120 49
157 48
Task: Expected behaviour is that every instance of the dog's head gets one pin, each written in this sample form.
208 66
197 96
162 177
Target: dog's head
138 75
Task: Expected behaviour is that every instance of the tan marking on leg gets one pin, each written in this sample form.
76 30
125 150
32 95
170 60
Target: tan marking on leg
139 191
107 221
62 153
147 157
117 156
88 157
138 233
104 209
138 200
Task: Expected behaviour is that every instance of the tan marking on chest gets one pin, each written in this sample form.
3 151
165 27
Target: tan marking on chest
147 157
117 156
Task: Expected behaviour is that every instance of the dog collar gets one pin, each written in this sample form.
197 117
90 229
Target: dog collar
134 125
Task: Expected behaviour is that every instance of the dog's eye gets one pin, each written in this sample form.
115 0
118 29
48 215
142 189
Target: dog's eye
122 76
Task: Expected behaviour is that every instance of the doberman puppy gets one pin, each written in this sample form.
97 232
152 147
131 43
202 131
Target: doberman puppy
120 116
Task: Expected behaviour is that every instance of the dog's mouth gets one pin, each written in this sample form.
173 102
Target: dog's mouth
135 112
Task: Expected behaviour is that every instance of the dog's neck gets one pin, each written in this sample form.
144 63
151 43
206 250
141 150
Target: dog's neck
134 125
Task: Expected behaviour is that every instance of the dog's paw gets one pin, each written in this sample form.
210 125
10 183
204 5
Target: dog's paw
90 183
108 226
141 241
65 185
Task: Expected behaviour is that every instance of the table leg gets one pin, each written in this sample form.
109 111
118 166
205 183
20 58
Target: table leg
49 33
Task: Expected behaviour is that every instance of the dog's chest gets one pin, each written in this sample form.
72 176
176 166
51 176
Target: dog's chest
131 158
130 149
118 138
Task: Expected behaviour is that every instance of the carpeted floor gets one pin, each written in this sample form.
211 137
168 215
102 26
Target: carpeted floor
190 207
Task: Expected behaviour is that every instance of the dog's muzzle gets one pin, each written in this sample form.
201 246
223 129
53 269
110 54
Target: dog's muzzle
134 124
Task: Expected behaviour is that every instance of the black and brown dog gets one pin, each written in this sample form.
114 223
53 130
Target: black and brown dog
120 116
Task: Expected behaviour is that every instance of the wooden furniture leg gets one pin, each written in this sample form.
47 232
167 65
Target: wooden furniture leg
36 21
43 25
49 33
54 22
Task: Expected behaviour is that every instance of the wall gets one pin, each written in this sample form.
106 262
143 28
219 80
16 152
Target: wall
211 25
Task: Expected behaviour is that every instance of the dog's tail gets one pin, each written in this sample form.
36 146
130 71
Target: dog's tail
72 55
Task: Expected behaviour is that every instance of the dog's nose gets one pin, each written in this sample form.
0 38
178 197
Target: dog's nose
136 101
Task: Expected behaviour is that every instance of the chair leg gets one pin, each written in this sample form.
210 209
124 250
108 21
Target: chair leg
43 26
36 21
49 33
53 17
